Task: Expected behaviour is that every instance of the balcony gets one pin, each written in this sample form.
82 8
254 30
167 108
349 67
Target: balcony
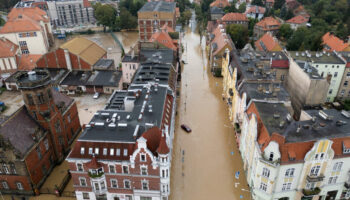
347 185
311 179
311 192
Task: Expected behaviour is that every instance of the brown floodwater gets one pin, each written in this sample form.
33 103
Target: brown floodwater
128 39
204 161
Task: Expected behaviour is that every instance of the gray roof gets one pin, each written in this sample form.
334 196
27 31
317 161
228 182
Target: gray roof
265 91
160 6
309 70
346 56
57 74
152 73
76 78
316 57
18 130
216 10
153 55
104 78
149 101
104 64
129 58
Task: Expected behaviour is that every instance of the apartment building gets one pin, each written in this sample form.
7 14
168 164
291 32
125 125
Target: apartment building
344 88
37 136
328 65
8 52
70 13
235 18
255 12
268 24
153 16
297 21
268 43
30 29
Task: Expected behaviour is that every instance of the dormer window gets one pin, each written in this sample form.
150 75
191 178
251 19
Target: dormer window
143 158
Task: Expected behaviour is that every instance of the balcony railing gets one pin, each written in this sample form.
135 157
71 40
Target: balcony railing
311 192
315 178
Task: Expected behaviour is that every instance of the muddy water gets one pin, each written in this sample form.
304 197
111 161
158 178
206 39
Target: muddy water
128 39
204 161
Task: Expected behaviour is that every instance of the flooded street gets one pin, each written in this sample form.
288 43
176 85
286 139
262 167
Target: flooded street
204 161
128 39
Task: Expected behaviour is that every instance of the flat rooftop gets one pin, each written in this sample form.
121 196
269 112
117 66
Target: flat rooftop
152 72
265 91
159 6
316 57
311 71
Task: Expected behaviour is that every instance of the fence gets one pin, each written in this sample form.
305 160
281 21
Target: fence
117 40
59 190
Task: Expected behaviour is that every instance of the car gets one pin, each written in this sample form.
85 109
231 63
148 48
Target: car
96 95
186 128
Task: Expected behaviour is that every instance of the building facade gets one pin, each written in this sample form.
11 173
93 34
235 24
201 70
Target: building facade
8 52
268 24
154 15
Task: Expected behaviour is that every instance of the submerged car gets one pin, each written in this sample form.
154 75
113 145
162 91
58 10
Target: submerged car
96 95
186 128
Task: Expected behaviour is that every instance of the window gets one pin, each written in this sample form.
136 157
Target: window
163 173
58 126
290 172
5 185
315 170
34 34
40 97
335 74
125 169
82 181
97 151
112 169
19 186
310 185
263 186
337 166
286 186
316 156
82 150
271 156
97 186
30 99
348 74
330 91
86 195
90 151
322 156
332 180
46 144
127 184
5 168
144 185
143 158
266 172
114 183
13 168
22 43
111 152
125 152
118 152
38 151
346 82
342 92
80 167
34 115
103 185
104 151
143 170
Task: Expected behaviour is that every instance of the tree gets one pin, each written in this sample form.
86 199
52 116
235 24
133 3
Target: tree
341 31
2 21
239 34
133 6
231 8
258 2
285 32
105 15
278 4
296 41
242 8
251 25
187 16
126 20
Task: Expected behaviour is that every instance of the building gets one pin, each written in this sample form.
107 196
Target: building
235 18
163 38
268 43
344 88
280 65
154 15
333 43
70 13
287 159
28 28
328 65
37 136
216 13
305 86
268 24
255 12
219 42
78 53
8 52
220 3
297 21
269 3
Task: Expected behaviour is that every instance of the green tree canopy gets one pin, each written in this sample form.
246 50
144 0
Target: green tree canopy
2 21
105 15
239 34
231 8
257 2
133 6
126 20
242 8
285 32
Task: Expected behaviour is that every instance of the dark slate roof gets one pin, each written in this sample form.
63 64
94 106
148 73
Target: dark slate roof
104 64
309 70
159 6
18 129
216 10
129 58
56 75
127 122
76 78
61 99
105 78
316 57
152 72
312 130
153 55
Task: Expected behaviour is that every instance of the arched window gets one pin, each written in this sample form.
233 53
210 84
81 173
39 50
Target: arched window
271 156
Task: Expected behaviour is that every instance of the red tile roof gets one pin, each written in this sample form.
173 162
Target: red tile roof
280 64
220 3
7 48
27 61
334 43
34 13
268 43
93 164
298 20
221 40
256 9
153 137
167 29
163 147
234 17
164 39
267 22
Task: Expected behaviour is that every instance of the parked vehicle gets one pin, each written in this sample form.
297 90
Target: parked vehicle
186 128
96 95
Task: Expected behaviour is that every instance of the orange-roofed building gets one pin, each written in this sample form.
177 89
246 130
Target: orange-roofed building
255 12
8 51
164 39
30 29
235 18
297 21
268 24
27 62
332 42
268 43
220 3
288 159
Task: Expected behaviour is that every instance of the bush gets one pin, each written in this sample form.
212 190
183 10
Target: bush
174 35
